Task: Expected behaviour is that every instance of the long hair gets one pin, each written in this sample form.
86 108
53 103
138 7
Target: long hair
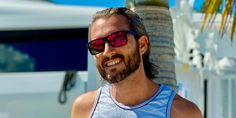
136 26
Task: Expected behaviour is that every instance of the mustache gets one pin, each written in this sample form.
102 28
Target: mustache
112 57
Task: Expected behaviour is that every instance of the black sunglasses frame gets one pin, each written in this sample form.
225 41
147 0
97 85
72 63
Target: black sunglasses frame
105 39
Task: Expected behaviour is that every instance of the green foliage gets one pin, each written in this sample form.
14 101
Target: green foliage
211 8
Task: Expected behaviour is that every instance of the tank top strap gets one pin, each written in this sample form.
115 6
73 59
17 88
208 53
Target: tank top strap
95 102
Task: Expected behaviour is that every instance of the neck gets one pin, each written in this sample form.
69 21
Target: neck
135 89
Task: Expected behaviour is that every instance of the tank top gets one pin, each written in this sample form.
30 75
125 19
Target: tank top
158 106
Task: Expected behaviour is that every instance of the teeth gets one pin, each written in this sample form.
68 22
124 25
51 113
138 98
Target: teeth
113 62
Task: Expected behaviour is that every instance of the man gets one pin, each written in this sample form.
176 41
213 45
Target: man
120 45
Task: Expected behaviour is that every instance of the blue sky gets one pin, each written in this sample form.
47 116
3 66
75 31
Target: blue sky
104 3
117 3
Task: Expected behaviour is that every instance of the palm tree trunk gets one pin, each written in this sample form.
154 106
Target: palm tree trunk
158 22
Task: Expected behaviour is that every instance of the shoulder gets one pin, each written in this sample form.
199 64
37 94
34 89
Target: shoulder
183 108
82 106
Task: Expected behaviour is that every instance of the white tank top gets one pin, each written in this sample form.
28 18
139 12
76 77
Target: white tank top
158 106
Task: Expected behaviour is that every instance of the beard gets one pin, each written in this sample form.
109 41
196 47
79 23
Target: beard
131 62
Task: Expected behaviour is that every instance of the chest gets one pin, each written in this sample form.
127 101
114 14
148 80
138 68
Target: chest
158 106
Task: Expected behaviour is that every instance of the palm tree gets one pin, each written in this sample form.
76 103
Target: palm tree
157 19
158 22
211 8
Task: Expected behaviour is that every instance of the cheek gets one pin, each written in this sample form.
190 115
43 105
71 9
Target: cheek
97 59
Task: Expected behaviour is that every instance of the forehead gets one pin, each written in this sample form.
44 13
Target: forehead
107 25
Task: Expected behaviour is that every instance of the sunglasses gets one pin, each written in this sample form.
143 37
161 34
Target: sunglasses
115 39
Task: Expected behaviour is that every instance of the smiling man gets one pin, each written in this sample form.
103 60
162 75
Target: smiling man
120 46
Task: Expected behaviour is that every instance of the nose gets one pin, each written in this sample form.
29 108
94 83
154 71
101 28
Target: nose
109 50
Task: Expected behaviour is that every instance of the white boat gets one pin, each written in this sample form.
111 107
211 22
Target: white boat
37 94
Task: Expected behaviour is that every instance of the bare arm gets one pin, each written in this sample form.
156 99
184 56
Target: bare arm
83 105
182 108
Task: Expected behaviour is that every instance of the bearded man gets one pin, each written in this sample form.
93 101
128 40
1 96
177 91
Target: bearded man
120 46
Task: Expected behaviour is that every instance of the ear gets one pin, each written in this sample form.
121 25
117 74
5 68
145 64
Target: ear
143 44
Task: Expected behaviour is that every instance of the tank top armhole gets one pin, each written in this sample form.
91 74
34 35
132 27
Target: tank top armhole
171 99
95 102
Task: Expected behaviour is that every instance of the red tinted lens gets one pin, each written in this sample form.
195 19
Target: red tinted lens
96 46
117 39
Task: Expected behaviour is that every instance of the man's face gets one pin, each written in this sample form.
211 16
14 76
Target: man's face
115 63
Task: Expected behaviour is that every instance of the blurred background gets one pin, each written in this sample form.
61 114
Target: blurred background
45 65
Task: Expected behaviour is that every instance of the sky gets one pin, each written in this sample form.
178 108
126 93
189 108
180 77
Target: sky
197 4
103 3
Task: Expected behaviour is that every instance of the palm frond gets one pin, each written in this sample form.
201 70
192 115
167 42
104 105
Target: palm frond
211 8
233 26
